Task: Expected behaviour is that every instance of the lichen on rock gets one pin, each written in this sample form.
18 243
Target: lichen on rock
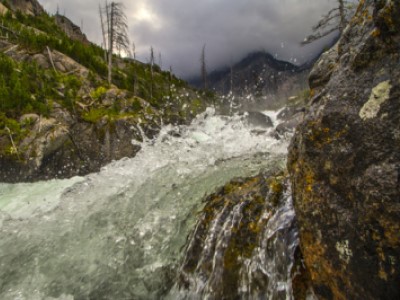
379 95
344 161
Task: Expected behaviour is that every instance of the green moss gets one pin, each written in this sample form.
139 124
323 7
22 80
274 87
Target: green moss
98 93
94 115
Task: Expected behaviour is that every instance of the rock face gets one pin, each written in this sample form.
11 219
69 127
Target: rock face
58 148
72 30
29 7
344 161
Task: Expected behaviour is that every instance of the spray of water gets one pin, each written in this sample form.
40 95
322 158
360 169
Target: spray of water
119 233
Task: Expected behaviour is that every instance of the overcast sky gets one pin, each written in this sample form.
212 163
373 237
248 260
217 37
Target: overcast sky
178 29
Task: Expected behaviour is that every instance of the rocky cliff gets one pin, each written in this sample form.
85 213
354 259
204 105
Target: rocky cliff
345 161
29 7
72 30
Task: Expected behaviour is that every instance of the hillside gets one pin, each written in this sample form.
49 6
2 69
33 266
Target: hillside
59 116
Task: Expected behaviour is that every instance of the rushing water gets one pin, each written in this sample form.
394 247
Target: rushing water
119 233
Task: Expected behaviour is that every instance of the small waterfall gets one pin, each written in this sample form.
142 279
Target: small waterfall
243 246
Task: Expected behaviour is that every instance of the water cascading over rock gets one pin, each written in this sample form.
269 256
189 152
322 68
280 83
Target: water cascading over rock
244 244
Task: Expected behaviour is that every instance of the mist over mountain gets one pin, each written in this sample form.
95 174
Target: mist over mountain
259 78
230 29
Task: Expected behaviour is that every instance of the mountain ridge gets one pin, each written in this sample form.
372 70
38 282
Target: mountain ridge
258 81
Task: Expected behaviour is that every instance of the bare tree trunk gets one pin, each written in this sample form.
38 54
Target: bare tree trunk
135 81
103 32
15 149
341 16
151 71
110 22
51 59
204 67
117 32
170 81
231 79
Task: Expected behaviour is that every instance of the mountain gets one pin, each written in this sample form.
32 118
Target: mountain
258 80
59 117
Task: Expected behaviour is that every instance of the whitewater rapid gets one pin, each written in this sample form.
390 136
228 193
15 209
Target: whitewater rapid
118 233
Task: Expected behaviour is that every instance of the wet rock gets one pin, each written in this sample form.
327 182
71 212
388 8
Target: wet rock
344 161
323 69
237 251
288 112
259 119
290 124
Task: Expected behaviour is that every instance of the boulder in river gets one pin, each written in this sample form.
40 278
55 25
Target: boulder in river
259 119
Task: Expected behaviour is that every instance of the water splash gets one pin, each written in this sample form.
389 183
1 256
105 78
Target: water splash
118 234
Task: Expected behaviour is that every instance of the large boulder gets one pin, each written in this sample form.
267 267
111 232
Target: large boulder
344 161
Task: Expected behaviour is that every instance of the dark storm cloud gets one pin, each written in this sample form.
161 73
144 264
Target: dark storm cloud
178 29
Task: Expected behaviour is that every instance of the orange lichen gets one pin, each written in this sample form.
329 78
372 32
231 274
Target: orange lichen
376 32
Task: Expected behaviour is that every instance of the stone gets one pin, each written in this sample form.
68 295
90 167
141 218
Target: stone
344 161
28 118
41 60
68 64
288 112
259 119
290 124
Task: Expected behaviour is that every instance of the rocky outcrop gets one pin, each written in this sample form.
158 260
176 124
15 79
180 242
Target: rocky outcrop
61 146
71 30
3 9
344 161
28 7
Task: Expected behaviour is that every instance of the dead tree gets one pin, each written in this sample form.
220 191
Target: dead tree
151 71
335 20
203 69
116 31
103 32
135 81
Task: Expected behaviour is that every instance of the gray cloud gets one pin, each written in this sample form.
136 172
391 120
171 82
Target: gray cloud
230 28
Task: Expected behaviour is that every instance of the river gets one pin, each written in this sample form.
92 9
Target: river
120 233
